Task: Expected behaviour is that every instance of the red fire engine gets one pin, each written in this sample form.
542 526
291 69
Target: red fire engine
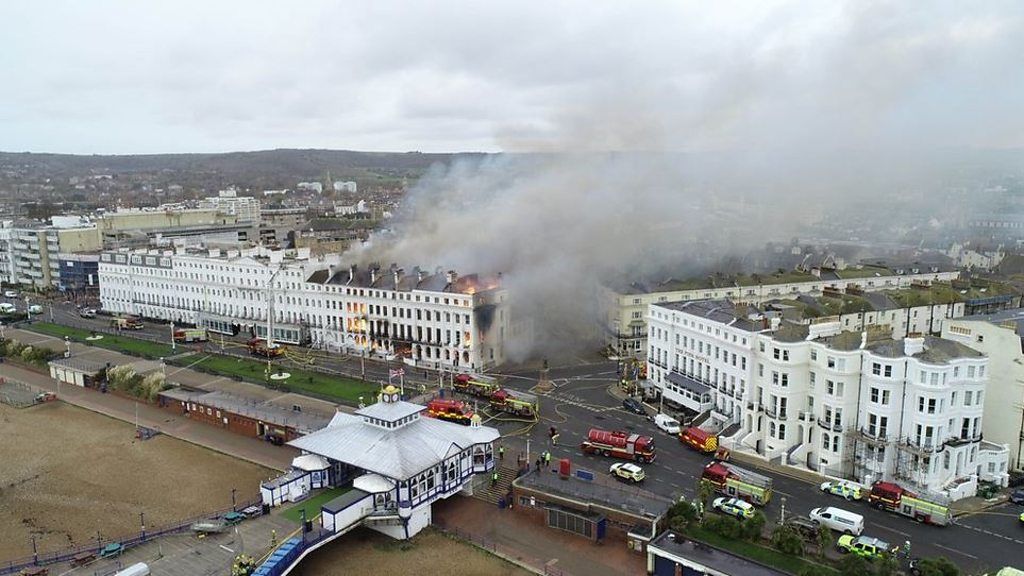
451 410
698 439
619 444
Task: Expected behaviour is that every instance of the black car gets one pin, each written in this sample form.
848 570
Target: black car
807 528
634 406
1017 496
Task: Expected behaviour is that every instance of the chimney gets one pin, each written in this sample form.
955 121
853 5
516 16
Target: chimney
452 276
351 273
816 272
330 273
913 344
398 276
373 275
420 274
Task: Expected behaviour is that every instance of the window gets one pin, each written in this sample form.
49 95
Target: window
887 371
981 371
814 354
875 395
967 397
782 431
885 397
876 369
812 380
785 355
761 346
831 362
970 371
775 353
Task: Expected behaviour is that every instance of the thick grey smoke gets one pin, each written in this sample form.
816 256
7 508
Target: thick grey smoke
667 168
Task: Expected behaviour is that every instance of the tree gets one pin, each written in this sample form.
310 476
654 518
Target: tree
754 526
940 566
854 565
824 540
704 492
785 539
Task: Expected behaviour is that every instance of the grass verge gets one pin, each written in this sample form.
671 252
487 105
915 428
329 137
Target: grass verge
758 553
124 344
337 388
312 505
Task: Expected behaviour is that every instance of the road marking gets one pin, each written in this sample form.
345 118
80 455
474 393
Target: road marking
901 533
990 533
956 551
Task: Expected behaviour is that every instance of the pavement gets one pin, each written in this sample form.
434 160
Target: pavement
530 543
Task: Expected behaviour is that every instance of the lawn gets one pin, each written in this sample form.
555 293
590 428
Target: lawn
758 553
335 388
312 505
124 344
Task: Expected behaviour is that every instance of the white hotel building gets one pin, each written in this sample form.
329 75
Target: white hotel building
856 405
437 320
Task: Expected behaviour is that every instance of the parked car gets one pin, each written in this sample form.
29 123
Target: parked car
839 520
111 550
10 293
1017 496
844 489
865 546
87 313
667 423
35 309
634 406
734 507
7 308
628 472
805 527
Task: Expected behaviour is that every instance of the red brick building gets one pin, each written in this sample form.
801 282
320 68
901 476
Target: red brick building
246 416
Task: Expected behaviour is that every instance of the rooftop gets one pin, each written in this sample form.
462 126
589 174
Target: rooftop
863 270
396 453
304 421
678 546
601 491
721 310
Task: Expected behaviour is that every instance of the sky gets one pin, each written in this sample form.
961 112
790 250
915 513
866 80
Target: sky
124 77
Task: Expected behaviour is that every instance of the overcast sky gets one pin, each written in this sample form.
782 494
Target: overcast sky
147 77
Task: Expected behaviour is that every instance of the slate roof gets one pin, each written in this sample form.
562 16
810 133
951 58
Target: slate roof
396 453
721 310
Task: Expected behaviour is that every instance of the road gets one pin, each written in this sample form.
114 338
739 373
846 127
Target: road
370 369
580 400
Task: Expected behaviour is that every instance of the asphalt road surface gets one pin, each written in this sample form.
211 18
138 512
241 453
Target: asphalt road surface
979 542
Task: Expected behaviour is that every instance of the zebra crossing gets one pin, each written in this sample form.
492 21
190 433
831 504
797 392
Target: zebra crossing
574 400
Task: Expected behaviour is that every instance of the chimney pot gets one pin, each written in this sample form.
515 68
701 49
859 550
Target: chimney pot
452 276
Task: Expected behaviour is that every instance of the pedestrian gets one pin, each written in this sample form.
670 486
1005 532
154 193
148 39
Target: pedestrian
538 464
501 452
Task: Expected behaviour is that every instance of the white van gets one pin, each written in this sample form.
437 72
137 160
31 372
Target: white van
7 308
667 423
839 520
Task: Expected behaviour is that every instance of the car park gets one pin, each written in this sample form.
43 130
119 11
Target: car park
843 489
805 527
839 520
634 406
865 546
734 507
627 472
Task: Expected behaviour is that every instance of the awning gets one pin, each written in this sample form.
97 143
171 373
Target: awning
688 383
310 462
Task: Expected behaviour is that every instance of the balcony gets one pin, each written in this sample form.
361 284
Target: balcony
925 445
806 415
829 425
877 436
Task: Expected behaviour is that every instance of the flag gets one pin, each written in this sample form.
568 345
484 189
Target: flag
396 372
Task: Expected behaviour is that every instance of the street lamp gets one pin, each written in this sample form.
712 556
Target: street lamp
233 505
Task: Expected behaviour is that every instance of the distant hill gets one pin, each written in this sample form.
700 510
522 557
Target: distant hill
265 166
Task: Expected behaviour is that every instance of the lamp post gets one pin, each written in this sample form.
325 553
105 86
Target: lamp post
233 505
142 522
173 342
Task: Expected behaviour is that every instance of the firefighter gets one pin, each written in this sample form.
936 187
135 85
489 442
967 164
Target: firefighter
494 478
501 452
547 458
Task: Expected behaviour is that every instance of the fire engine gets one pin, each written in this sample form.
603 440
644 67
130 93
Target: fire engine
514 402
699 440
450 410
190 335
619 444
479 386
258 347
732 480
127 323
894 498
